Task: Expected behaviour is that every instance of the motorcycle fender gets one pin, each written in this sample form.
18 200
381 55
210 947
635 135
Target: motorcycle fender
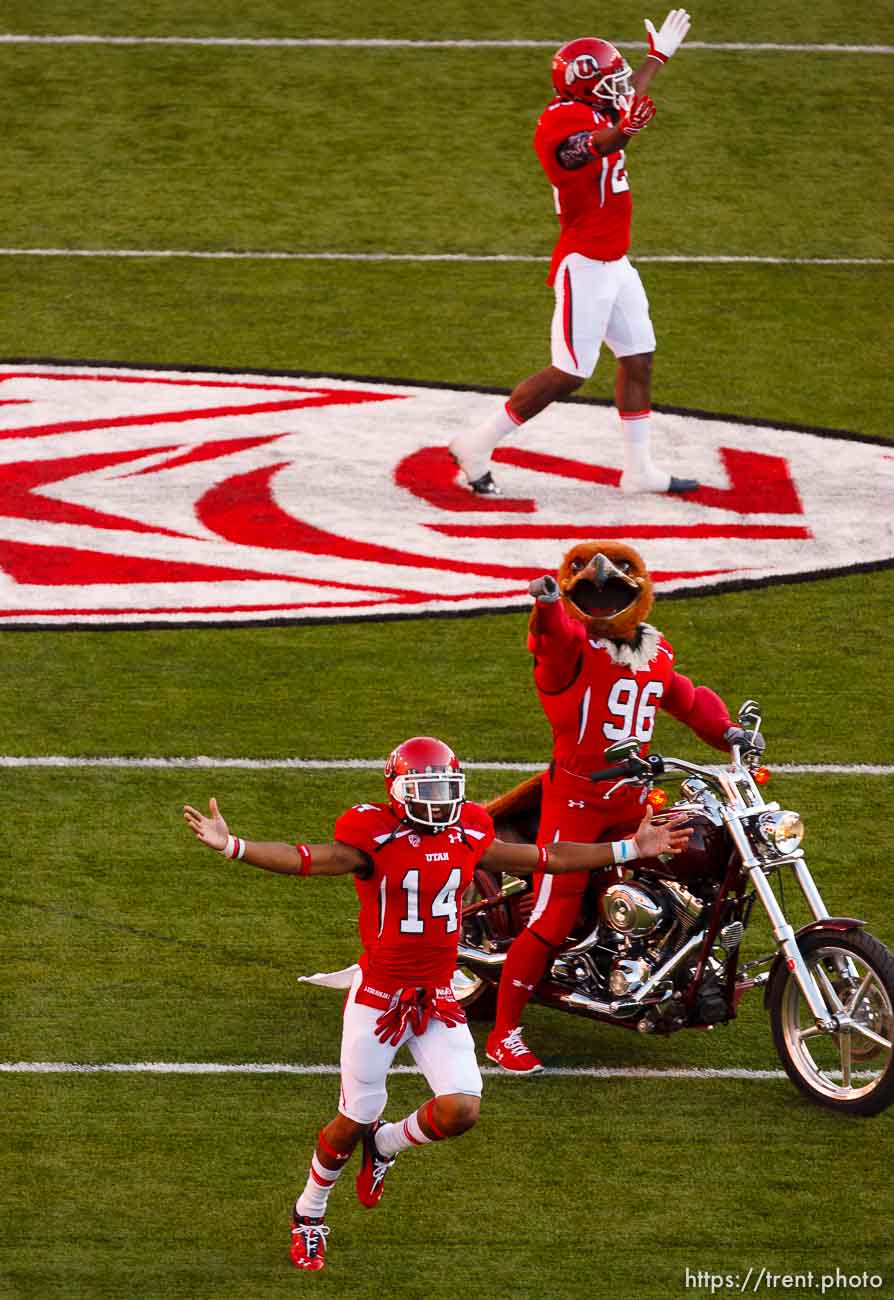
840 923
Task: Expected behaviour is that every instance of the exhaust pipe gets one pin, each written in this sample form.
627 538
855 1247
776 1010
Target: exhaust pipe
477 957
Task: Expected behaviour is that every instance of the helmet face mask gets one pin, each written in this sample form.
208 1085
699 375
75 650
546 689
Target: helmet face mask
425 783
433 800
592 71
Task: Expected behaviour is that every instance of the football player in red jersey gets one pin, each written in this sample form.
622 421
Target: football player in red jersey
580 140
411 859
601 672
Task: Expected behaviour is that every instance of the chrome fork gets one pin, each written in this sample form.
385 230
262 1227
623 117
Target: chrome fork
783 932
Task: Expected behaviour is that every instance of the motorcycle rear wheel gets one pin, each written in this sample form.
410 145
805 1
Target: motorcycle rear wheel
475 994
851 1072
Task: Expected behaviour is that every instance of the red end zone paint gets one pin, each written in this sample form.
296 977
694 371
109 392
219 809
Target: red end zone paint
133 496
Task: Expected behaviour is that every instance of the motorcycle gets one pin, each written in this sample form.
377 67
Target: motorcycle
657 944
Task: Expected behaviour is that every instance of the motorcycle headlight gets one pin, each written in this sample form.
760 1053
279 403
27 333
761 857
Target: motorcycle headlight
783 831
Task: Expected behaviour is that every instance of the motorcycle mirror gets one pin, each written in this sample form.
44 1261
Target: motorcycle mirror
749 714
622 749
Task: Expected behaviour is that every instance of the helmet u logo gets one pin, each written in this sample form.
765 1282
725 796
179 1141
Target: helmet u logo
583 66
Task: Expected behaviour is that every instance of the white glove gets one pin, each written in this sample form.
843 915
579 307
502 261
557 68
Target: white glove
666 42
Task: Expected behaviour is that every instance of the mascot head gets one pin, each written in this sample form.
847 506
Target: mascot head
606 586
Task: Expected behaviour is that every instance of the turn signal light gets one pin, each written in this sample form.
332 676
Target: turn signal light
658 799
761 775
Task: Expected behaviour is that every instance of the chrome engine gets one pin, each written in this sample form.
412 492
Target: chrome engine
642 924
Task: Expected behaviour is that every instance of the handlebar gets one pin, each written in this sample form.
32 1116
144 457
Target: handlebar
612 773
634 766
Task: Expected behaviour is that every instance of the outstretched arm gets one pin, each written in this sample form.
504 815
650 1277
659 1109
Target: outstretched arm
699 708
648 842
286 859
663 44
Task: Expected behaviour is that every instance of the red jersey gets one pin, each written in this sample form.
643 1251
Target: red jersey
595 692
410 904
593 202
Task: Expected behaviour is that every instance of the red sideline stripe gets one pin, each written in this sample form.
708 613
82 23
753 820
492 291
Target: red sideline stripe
139 610
566 317
544 532
153 379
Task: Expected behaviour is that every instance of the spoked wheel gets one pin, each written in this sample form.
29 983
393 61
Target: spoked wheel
850 1070
481 927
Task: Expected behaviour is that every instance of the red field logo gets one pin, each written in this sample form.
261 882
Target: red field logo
134 496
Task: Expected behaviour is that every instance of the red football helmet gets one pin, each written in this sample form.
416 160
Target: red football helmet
425 782
593 71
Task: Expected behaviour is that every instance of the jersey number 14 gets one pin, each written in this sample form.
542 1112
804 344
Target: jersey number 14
443 903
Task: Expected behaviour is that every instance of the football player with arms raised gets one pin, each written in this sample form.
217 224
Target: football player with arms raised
601 672
411 858
581 139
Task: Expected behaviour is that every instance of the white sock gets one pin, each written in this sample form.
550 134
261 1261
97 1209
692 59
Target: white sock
473 448
406 1133
639 469
320 1183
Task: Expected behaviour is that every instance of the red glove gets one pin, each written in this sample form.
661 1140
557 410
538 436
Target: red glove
415 1007
638 113
411 1008
445 1007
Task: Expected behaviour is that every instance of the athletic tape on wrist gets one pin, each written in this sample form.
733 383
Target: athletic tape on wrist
306 859
543 861
623 851
234 847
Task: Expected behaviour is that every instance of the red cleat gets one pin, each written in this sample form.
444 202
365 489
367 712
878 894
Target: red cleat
510 1052
373 1168
308 1248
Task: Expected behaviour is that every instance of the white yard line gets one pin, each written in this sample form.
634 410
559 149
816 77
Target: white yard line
204 761
272 255
260 1067
384 43
276 1067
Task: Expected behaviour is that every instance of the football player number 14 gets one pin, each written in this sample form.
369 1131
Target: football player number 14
443 903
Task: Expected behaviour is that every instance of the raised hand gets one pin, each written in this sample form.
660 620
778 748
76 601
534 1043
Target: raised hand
638 113
669 837
666 42
212 830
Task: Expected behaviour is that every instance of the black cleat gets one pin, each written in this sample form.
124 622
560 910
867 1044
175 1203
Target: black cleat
485 486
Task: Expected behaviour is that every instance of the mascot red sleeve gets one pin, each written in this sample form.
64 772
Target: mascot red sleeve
601 672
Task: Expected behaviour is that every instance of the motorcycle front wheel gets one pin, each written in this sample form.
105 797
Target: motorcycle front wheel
851 1071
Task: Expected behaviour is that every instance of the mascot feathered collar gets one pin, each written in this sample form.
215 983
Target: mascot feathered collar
605 586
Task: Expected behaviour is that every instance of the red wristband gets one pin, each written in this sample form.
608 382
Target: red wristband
306 859
544 857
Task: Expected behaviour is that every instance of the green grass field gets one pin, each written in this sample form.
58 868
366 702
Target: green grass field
124 941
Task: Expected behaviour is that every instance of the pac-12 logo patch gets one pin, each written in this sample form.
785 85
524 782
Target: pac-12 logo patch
161 497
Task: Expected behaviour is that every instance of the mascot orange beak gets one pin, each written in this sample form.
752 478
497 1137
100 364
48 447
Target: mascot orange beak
606 586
